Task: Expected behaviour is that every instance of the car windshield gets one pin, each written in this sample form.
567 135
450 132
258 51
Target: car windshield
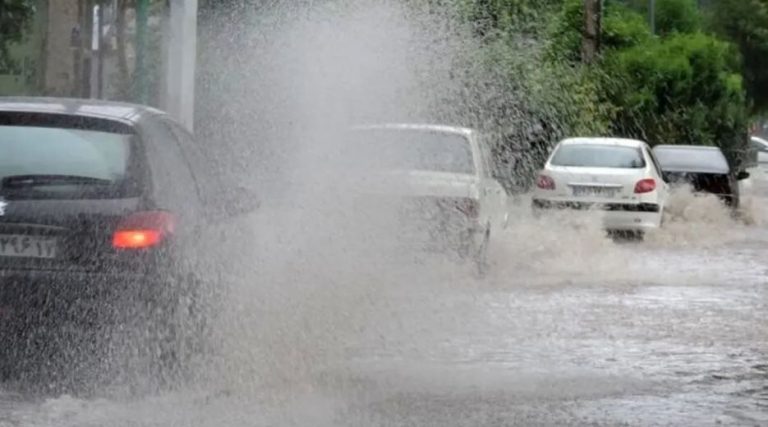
41 161
682 159
598 156
409 150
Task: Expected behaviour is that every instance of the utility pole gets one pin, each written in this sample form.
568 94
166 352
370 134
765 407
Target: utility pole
180 61
652 15
593 16
102 50
76 42
142 18
95 13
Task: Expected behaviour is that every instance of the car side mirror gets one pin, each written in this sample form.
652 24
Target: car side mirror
742 175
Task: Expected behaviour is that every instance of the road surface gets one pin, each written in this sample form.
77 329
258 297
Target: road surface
571 329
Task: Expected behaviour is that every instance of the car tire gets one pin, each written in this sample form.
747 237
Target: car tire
178 331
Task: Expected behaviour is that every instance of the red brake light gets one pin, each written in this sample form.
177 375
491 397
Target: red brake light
645 186
545 183
143 230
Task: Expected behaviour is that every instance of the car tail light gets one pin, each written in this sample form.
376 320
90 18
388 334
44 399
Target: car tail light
469 207
143 230
645 186
545 183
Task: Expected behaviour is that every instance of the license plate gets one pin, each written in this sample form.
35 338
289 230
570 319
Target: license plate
27 246
593 192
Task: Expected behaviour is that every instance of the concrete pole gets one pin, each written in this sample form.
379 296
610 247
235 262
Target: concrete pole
102 48
95 47
142 72
180 61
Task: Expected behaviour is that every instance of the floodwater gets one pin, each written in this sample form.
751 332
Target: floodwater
570 329
326 326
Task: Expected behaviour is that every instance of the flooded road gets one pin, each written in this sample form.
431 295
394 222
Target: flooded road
571 329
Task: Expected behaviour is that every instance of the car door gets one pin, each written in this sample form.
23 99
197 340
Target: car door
663 186
174 185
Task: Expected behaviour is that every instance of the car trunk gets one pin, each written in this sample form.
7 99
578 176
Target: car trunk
597 184
712 183
72 235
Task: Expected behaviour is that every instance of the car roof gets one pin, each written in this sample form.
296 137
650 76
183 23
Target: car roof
119 111
700 158
456 130
619 142
686 147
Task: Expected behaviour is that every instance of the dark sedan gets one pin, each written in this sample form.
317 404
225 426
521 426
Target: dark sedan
102 210
704 168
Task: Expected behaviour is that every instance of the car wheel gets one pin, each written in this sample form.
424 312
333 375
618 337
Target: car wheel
177 332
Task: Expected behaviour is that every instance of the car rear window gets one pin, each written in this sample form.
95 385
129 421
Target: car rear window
58 157
404 149
683 159
598 156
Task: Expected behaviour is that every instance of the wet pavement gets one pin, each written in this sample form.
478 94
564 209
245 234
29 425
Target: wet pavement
571 329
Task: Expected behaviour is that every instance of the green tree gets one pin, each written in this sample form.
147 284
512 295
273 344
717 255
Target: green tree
15 15
681 16
501 16
677 16
622 28
745 23
684 89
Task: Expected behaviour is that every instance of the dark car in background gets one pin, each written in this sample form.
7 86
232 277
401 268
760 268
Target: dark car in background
704 168
103 208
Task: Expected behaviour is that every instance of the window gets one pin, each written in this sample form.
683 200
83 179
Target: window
692 159
399 149
655 162
485 156
598 156
65 157
187 151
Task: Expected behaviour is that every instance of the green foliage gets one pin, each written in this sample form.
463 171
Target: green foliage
677 16
680 86
672 16
622 28
500 16
679 90
15 16
745 23
530 103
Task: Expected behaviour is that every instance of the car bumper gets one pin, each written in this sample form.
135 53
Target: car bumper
76 296
615 216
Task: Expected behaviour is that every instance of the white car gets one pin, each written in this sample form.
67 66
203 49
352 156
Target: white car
619 177
441 174
705 169
761 146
